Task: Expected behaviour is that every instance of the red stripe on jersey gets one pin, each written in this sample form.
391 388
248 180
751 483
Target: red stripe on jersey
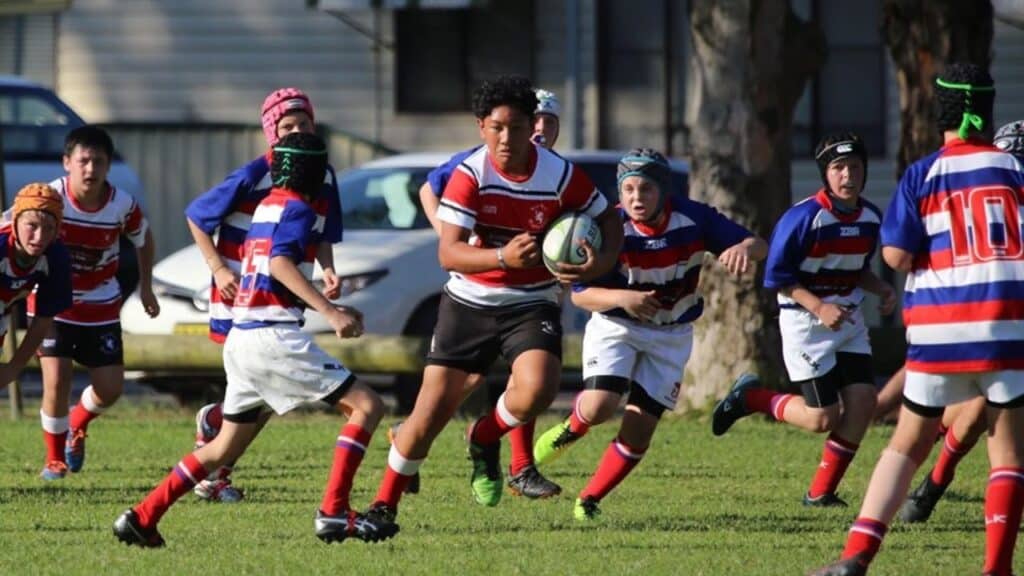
937 260
662 258
91 236
262 298
956 366
963 147
89 279
217 297
851 245
990 311
311 251
88 313
230 250
247 206
133 223
512 277
217 337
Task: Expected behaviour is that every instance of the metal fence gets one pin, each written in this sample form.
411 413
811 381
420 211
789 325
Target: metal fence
177 162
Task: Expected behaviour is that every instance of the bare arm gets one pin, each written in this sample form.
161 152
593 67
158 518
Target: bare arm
872 283
737 257
33 337
897 258
430 203
146 256
455 253
223 276
602 261
831 315
346 324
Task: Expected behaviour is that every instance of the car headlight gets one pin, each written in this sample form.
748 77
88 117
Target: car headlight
355 282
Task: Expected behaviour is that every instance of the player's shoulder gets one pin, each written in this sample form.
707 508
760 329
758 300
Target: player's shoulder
872 207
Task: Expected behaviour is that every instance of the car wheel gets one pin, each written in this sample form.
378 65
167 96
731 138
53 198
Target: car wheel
407 386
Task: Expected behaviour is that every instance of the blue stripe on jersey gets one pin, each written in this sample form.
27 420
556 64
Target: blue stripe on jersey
1008 350
1008 290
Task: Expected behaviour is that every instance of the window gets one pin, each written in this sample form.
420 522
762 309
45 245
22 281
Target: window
34 124
849 91
443 55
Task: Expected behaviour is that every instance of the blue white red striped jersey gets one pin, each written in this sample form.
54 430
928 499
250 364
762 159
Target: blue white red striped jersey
283 224
93 241
227 209
496 207
438 177
822 249
958 211
49 276
668 259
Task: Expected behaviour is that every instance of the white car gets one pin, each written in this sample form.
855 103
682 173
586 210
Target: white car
387 260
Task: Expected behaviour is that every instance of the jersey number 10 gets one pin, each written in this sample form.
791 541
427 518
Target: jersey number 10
984 225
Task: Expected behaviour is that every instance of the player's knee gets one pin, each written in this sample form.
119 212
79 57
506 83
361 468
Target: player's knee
822 421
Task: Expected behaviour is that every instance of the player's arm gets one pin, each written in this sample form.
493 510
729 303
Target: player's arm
346 324
639 304
831 315
223 276
898 258
325 257
455 253
430 202
870 282
737 258
147 255
600 262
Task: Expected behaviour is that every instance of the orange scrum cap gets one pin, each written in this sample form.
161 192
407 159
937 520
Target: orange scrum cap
39 196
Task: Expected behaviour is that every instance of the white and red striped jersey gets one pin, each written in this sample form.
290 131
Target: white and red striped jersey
496 207
92 238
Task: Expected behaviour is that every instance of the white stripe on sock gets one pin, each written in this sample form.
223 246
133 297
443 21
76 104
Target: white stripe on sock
52 424
401 464
506 416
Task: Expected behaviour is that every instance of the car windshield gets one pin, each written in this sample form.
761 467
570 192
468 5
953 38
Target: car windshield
383 198
34 123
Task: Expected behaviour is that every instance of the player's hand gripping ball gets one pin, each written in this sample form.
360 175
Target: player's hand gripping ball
563 236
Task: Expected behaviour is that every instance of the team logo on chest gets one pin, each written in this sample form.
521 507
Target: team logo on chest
538 217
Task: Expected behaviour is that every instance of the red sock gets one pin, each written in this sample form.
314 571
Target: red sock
521 441
577 424
54 445
348 454
81 416
184 476
945 466
618 461
397 476
865 538
835 459
1004 500
759 400
490 428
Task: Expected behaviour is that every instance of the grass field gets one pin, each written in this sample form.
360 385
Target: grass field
695 505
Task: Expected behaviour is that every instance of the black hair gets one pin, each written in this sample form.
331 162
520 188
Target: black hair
299 163
513 91
89 136
952 103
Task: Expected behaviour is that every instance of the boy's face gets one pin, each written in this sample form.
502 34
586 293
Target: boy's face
294 121
545 130
87 168
639 198
35 231
506 133
845 177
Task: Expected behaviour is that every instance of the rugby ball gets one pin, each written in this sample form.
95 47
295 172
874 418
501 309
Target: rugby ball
562 239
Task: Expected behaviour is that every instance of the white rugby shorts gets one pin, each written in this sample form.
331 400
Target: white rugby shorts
652 356
277 366
938 390
809 348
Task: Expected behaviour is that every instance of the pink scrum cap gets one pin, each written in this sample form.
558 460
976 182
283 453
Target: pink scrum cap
279 103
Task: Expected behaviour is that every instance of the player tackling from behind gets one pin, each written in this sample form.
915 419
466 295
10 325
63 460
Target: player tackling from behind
820 264
954 227
500 298
640 333
271 363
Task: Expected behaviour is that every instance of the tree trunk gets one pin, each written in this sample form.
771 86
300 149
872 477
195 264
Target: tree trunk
750 61
924 36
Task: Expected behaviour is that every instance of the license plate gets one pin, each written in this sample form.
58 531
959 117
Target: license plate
192 329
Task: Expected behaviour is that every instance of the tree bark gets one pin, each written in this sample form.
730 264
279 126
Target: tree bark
750 61
924 36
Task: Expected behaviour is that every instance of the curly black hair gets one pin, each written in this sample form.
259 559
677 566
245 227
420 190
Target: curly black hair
952 103
513 91
299 163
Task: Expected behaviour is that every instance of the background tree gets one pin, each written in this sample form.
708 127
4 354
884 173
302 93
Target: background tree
923 36
750 61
